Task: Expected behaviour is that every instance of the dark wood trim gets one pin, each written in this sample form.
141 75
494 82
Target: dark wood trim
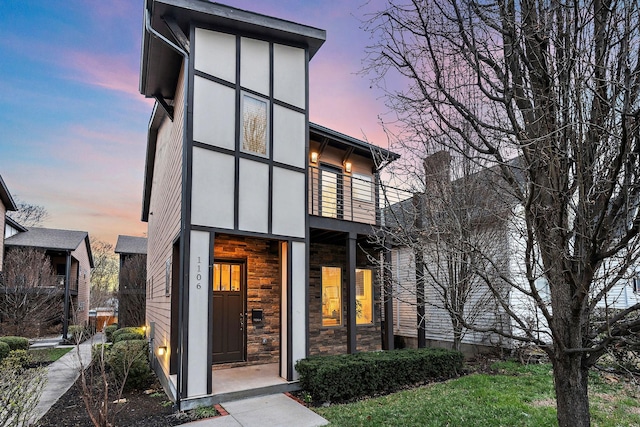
334 224
387 288
238 141
351 293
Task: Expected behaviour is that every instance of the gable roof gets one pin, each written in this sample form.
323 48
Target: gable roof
131 245
13 223
5 196
51 239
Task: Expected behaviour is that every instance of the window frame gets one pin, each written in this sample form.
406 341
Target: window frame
358 193
243 96
370 298
339 321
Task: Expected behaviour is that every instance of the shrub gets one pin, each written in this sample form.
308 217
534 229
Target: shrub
351 376
16 343
17 359
129 363
20 391
128 337
109 330
4 350
98 351
127 330
77 333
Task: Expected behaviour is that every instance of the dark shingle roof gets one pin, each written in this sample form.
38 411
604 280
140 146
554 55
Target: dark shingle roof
6 198
131 245
48 238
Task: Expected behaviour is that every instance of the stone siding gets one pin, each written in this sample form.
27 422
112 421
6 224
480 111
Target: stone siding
263 292
333 339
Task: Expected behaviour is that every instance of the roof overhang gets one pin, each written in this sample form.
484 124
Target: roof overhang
160 64
380 156
5 196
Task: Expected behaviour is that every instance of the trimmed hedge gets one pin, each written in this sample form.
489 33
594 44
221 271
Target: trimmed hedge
4 349
16 343
109 330
346 377
130 356
127 337
127 330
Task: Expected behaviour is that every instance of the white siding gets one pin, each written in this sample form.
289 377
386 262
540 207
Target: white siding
215 54
254 65
212 198
289 75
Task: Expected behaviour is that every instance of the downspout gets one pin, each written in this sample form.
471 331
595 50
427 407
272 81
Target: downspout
67 297
181 285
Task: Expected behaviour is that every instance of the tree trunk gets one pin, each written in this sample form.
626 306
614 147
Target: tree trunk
571 380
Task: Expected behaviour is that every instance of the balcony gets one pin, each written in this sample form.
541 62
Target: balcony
355 198
73 286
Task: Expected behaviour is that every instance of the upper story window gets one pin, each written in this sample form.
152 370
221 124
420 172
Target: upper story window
255 125
362 187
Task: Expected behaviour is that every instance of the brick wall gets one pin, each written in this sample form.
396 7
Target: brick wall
263 291
333 340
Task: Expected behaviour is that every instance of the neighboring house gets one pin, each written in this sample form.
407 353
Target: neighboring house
258 220
70 255
132 278
497 223
6 204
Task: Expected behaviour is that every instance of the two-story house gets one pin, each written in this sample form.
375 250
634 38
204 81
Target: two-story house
257 219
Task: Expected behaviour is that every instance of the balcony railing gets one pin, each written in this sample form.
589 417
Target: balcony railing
73 285
356 198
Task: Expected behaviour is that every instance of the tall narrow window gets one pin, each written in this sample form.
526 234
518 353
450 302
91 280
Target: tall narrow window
331 296
364 297
255 125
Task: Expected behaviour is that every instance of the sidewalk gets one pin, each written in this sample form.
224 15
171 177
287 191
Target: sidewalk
264 411
62 374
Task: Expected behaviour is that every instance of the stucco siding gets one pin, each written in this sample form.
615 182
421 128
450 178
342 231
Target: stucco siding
164 221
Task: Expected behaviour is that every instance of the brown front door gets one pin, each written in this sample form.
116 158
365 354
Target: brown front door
228 312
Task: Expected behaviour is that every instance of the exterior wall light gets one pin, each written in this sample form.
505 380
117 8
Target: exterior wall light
347 167
162 350
314 157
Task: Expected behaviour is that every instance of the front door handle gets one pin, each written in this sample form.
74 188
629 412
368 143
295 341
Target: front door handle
241 321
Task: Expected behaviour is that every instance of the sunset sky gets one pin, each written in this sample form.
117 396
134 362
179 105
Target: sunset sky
73 125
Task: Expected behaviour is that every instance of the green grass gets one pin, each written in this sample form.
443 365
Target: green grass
47 355
516 396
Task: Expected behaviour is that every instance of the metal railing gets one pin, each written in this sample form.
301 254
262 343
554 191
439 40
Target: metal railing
73 285
350 197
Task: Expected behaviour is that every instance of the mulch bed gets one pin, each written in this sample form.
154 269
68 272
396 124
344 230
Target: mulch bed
141 409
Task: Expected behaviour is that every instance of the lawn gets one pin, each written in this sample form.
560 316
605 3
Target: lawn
515 395
48 355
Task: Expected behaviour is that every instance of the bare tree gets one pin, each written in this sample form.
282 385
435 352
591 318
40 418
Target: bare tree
104 276
30 294
132 295
556 84
29 215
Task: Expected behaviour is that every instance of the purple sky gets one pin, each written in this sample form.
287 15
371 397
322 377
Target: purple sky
73 125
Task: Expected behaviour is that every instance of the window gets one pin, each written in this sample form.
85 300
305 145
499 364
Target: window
362 187
542 286
255 125
636 284
331 296
167 277
226 277
364 297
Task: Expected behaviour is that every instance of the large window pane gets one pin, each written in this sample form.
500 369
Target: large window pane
255 125
364 297
331 296
362 187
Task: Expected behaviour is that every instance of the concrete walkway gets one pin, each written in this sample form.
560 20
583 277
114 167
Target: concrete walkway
264 411
62 374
